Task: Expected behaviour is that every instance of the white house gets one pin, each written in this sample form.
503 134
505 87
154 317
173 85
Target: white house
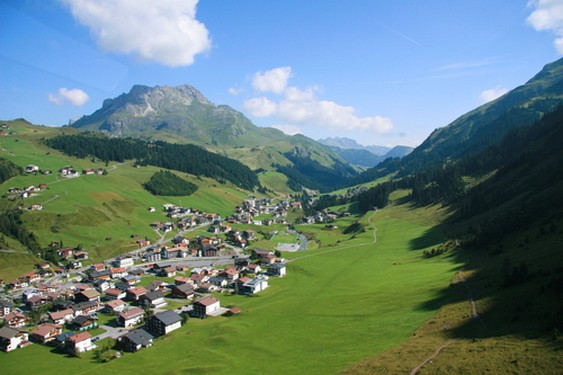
130 317
80 342
255 285
11 339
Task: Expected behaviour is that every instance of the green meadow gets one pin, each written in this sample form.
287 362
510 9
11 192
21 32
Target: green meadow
337 305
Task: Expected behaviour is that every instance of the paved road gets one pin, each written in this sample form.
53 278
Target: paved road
112 332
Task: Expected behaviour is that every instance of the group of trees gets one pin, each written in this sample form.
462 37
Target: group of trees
167 183
8 170
180 157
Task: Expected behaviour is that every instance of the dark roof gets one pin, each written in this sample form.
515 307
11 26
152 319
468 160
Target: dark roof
81 319
168 317
95 274
8 333
184 288
139 337
6 303
156 294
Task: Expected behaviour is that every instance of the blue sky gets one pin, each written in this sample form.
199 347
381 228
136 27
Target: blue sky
379 72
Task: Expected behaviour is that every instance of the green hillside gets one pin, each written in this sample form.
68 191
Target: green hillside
91 209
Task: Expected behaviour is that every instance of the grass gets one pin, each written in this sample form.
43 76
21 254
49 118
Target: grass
337 305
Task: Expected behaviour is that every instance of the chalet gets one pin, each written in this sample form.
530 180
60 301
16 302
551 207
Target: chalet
277 269
79 343
31 277
88 171
61 317
46 332
184 291
124 262
84 308
90 295
82 323
136 272
231 274
12 339
253 268
130 317
99 275
131 279
178 280
206 288
36 301
118 272
65 253
218 281
36 207
156 285
143 242
196 279
135 293
254 286
69 172
174 252
102 285
154 299
135 340
206 306
18 284
169 271
164 322
31 168
81 255
153 255
6 307
114 294
115 306
15 319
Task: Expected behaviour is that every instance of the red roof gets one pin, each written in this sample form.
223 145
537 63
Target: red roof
79 337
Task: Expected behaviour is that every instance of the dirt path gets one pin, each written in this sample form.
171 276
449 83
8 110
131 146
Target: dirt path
415 370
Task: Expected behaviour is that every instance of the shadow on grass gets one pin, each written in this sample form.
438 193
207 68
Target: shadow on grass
529 308
431 237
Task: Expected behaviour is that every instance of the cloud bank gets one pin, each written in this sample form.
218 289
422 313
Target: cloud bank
302 106
76 97
548 16
492 94
165 32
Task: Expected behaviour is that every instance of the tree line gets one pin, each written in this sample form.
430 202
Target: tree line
180 157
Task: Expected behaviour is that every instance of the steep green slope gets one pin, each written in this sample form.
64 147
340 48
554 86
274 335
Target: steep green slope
483 126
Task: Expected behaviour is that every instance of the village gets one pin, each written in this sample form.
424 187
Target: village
141 295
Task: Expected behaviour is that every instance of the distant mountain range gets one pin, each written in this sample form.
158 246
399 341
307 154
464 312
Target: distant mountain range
364 156
182 114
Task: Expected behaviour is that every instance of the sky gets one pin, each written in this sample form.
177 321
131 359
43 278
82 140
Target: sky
379 72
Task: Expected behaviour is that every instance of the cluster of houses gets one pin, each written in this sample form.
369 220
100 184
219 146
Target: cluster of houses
115 289
27 191
324 216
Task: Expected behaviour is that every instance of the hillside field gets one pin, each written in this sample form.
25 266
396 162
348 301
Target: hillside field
338 305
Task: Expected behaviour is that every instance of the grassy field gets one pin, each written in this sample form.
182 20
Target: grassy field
338 305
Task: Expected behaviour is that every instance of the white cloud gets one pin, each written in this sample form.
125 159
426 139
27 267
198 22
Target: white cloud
274 80
76 97
288 129
235 91
548 16
166 32
302 107
492 94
